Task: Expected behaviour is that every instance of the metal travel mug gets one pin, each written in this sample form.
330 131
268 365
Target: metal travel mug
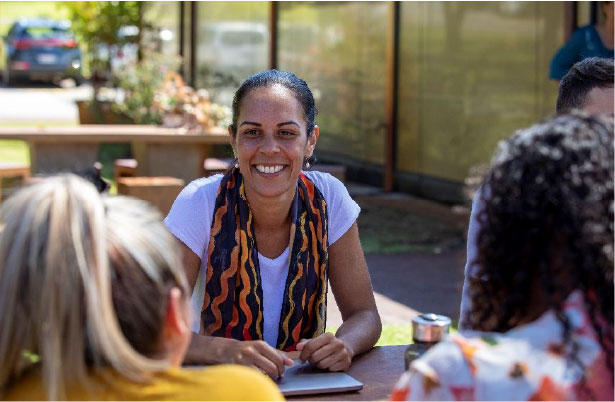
427 330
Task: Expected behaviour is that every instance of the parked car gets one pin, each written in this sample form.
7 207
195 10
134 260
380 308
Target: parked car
40 48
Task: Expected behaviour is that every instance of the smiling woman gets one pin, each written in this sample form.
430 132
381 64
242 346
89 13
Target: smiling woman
255 303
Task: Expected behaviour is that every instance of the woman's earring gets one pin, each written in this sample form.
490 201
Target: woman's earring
306 164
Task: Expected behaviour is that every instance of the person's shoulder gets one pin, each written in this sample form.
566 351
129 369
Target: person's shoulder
588 27
581 31
447 355
325 182
461 356
456 358
221 382
28 387
197 196
436 373
204 185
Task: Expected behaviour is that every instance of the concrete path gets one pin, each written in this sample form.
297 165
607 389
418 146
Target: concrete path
413 283
42 102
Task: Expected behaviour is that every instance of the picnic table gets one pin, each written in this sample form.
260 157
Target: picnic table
378 370
159 151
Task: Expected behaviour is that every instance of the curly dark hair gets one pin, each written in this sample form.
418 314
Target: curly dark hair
547 226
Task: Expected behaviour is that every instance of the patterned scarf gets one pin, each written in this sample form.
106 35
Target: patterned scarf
233 304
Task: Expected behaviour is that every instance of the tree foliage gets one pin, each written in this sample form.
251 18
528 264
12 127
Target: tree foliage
98 23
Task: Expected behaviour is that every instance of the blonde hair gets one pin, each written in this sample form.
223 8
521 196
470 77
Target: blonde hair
56 280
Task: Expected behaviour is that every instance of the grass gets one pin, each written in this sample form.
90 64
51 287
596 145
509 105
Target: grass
14 151
397 334
400 334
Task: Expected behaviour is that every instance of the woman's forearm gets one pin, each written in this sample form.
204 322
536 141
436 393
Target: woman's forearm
360 332
205 349
258 354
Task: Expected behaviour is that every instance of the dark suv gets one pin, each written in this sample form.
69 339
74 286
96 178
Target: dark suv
40 48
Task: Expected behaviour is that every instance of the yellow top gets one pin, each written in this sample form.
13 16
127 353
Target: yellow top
219 383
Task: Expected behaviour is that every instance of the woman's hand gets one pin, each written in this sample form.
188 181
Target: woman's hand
258 354
326 352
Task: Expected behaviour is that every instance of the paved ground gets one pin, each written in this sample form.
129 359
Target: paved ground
411 283
427 275
42 102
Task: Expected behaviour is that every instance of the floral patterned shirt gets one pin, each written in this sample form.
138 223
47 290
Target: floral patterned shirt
525 363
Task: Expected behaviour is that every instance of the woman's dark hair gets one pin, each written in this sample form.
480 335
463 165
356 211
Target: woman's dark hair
584 76
288 80
547 223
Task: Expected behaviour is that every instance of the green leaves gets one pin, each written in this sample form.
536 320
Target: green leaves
140 85
98 22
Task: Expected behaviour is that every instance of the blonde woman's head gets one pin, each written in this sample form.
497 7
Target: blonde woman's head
68 260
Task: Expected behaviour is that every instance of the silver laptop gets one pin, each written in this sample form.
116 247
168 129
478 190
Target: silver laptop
304 379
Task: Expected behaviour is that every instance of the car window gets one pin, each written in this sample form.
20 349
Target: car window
239 38
13 31
44 32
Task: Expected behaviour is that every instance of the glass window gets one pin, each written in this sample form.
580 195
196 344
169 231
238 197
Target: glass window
232 44
46 32
470 74
242 38
339 48
164 18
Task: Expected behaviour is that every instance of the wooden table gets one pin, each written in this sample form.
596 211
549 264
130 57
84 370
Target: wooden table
159 151
378 370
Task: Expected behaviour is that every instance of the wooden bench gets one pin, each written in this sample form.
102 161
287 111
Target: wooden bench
124 168
13 170
159 151
129 167
158 191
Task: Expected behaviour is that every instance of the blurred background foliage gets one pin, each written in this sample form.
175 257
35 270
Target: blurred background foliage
12 10
97 24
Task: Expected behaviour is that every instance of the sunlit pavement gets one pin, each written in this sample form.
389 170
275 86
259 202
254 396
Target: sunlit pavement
45 103
407 284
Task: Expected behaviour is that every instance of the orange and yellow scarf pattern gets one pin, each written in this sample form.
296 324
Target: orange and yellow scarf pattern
233 304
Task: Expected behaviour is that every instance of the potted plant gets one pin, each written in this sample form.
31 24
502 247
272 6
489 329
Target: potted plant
152 92
139 86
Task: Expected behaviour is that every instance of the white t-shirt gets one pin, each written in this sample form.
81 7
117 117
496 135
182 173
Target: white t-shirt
190 220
